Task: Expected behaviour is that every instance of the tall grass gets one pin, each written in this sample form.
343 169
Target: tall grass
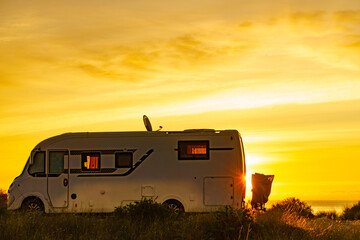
289 219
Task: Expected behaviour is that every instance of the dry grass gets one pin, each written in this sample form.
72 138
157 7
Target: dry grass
290 219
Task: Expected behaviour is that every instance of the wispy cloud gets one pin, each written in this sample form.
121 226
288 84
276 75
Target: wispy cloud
210 65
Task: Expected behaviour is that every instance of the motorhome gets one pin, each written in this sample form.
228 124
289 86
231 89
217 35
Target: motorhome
198 170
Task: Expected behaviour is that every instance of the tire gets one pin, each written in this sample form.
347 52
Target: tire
175 205
32 205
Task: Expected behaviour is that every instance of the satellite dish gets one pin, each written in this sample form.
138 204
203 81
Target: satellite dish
147 123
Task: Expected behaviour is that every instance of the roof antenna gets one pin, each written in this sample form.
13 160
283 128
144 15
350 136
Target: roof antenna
147 123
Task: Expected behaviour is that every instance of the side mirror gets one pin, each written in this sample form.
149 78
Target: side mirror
32 155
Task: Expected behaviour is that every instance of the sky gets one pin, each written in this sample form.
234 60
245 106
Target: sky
285 74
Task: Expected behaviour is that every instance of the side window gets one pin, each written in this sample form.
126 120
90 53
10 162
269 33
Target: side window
90 161
38 165
193 150
123 159
56 162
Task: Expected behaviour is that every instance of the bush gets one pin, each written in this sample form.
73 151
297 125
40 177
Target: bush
146 209
293 206
3 202
330 214
352 213
231 224
275 224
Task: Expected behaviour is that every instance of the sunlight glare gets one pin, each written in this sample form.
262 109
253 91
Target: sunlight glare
248 186
254 159
248 180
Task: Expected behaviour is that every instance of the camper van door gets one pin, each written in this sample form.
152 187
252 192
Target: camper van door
58 178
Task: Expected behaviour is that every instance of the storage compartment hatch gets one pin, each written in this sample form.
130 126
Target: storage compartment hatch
218 191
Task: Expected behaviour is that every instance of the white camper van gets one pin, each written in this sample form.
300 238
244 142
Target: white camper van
193 170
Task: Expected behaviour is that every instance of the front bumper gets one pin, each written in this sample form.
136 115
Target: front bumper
14 199
14 203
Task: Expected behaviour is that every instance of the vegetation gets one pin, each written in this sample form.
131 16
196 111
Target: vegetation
3 202
145 210
289 219
293 206
352 213
329 214
229 223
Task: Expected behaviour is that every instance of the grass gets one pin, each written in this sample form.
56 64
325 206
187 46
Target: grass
289 219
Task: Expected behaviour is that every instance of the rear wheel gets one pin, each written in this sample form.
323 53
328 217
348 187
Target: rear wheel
33 205
175 205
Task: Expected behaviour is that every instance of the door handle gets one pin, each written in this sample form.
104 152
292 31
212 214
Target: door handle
66 182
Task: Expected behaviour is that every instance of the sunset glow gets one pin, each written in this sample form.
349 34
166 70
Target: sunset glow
286 76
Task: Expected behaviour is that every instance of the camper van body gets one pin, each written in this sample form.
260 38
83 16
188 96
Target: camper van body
198 170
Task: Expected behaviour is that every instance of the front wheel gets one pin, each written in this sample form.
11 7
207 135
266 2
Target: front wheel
33 205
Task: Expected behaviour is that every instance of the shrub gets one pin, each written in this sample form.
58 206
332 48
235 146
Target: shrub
294 206
146 209
330 214
275 224
3 201
231 224
352 213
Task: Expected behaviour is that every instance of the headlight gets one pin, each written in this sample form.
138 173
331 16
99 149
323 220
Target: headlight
11 200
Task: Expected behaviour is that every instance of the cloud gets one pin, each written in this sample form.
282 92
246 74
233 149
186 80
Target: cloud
111 44
216 63
349 17
150 58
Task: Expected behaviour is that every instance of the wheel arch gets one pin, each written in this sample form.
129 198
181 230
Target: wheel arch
39 196
174 201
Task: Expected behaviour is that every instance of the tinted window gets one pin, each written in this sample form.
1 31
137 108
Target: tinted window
56 162
90 161
123 159
38 165
193 150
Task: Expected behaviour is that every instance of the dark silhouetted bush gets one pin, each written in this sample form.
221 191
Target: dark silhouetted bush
3 201
293 206
231 224
352 213
146 209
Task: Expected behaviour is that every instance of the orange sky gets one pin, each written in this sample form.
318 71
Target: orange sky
287 76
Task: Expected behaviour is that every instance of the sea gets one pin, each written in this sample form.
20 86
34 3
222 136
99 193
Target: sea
324 205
